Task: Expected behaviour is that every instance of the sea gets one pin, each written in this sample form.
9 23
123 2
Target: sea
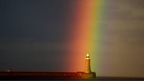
78 80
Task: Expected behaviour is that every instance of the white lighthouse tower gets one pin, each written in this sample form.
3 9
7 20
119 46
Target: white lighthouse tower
87 64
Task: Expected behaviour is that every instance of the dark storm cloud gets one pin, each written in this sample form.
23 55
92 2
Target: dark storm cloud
37 20
33 34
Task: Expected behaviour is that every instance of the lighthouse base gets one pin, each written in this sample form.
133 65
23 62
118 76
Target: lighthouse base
89 75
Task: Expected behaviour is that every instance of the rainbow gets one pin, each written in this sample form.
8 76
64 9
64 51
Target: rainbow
85 33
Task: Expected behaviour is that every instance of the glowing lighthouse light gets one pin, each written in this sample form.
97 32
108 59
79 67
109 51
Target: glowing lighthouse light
87 56
87 64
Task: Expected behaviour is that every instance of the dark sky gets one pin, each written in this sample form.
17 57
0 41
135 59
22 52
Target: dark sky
32 34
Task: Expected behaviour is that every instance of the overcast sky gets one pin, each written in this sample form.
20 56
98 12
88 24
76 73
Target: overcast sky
124 39
33 36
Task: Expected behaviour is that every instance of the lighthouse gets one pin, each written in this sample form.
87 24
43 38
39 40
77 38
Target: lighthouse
87 64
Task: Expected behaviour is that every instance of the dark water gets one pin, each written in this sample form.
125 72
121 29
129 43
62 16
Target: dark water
78 80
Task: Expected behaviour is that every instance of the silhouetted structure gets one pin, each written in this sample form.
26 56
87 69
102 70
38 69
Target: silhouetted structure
44 75
87 64
51 75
